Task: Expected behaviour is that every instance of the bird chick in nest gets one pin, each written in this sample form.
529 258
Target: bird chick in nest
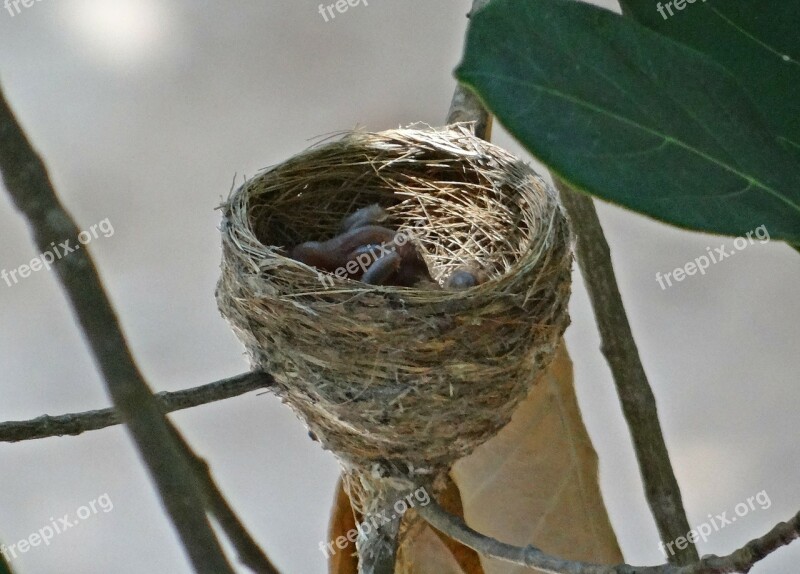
377 255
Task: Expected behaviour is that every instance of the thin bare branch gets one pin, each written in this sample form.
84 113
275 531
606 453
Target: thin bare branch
741 560
250 553
76 423
465 106
26 179
637 399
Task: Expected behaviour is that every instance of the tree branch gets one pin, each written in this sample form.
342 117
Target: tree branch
465 106
635 395
76 423
29 186
741 560
618 346
250 553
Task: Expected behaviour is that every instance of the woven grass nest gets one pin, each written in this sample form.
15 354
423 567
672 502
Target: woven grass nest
397 380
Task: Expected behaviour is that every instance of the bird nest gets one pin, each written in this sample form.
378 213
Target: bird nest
402 380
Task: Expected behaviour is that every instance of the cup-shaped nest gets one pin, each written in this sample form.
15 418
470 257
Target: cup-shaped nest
411 378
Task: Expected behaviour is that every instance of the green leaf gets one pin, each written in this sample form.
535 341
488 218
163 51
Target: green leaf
630 116
759 42
4 567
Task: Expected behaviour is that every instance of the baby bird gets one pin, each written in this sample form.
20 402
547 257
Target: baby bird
377 255
465 277
367 251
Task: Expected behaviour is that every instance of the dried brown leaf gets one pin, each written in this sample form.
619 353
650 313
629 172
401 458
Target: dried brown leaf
536 482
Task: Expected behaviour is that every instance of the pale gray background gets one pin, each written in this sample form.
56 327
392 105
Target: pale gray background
146 110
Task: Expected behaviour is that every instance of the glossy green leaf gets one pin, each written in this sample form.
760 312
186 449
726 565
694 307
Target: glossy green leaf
631 116
759 42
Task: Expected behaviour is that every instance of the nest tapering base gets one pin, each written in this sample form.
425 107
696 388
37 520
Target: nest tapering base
400 381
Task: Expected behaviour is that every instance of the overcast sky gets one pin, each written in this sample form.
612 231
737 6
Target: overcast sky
146 111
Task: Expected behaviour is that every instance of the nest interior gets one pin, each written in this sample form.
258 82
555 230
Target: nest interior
404 379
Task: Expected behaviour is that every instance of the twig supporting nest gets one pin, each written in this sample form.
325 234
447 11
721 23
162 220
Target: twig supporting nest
400 381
